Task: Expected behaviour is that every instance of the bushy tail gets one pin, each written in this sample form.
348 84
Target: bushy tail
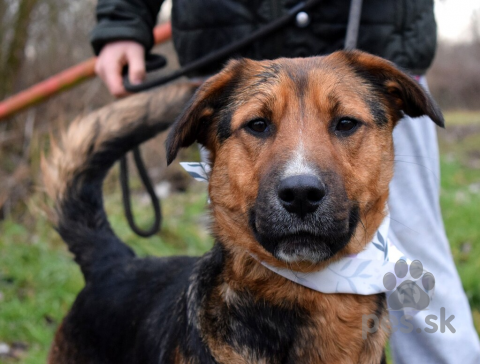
78 162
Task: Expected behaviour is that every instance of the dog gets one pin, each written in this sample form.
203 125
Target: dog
302 155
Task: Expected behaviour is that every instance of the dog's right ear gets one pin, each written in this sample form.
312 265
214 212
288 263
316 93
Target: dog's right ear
406 93
194 123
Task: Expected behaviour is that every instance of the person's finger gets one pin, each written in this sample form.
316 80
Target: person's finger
113 78
136 64
99 68
111 60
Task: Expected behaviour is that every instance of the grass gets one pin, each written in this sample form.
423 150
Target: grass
460 201
462 117
39 281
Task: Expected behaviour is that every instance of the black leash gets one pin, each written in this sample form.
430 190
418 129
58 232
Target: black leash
142 171
154 62
224 52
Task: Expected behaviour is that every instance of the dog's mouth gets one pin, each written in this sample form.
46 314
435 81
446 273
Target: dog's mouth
303 247
313 241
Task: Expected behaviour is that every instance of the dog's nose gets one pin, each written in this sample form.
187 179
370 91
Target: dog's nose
301 194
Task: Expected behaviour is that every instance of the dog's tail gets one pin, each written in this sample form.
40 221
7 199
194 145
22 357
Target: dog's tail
79 160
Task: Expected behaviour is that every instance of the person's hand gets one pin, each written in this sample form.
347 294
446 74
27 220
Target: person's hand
111 60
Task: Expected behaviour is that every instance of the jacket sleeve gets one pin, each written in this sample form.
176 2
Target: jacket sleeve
125 20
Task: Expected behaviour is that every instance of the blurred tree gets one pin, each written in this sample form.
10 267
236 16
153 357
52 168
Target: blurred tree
39 38
14 39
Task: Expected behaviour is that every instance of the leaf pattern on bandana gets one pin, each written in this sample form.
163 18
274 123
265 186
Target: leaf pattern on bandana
198 170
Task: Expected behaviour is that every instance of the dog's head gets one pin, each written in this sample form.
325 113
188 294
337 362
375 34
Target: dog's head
301 151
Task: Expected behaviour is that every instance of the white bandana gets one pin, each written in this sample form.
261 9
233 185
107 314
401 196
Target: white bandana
361 273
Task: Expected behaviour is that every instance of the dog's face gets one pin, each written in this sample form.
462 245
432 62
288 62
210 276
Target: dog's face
301 151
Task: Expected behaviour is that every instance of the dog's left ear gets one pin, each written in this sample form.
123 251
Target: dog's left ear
195 121
407 94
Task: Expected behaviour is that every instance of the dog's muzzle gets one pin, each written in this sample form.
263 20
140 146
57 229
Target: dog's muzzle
303 217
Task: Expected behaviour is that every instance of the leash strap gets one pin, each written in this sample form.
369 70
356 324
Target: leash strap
353 24
223 52
154 62
142 171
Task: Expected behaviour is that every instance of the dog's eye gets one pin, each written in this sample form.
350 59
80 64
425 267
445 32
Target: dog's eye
258 125
346 125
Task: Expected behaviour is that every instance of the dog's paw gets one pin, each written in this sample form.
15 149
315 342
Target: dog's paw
409 293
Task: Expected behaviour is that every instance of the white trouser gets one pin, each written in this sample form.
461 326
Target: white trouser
416 228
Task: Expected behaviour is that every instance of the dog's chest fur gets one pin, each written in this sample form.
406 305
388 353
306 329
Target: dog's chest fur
208 316
288 323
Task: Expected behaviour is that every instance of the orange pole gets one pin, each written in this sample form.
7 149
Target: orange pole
64 80
162 33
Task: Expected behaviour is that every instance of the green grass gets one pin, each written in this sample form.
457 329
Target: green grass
184 228
460 201
39 281
462 117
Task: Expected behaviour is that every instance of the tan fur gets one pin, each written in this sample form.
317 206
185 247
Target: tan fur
62 349
85 135
334 334
366 166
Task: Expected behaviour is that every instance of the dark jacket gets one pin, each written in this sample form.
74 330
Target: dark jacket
403 31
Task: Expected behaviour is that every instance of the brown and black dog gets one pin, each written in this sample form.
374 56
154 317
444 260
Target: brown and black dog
302 156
